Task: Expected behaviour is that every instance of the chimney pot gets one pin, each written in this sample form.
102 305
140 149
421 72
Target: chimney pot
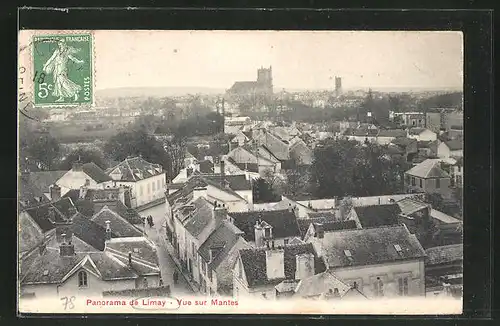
130 258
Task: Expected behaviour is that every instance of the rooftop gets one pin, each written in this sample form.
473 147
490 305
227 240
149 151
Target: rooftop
378 215
368 246
444 254
119 226
96 173
134 169
254 263
430 168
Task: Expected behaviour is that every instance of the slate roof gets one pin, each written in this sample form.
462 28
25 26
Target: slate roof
40 216
44 179
378 215
328 224
243 86
135 169
96 173
444 254
319 284
430 168
129 214
368 246
206 166
254 264
90 232
64 205
283 222
455 144
119 226
223 237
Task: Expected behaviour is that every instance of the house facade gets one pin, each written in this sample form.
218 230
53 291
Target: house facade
428 177
88 175
145 180
422 134
394 269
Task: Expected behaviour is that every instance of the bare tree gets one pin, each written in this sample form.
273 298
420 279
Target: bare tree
176 151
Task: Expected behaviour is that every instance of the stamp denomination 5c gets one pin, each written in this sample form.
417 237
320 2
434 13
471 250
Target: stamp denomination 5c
62 69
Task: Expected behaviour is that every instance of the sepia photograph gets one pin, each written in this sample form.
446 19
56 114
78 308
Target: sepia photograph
240 172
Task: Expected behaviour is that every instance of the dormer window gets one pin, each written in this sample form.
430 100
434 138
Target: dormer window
82 279
348 254
398 248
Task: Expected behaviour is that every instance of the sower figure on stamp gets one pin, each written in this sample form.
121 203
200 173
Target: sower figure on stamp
58 66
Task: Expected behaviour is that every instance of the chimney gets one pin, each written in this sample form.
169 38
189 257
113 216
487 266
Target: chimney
66 248
222 168
83 192
63 229
52 213
55 192
130 258
275 263
199 192
259 233
220 212
304 266
320 231
77 166
108 230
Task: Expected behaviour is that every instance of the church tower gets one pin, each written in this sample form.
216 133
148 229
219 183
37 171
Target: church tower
265 79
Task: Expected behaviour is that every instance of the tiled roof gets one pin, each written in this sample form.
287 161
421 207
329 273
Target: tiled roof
319 284
44 179
368 246
409 206
129 214
141 249
135 169
236 182
64 206
29 193
200 218
403 141
325 215
254 263
430 168
319 204
444 254
120 226
300 151
392 133
442 217
223 237
283 222
96 173
277 147
416 131
378 215
455 144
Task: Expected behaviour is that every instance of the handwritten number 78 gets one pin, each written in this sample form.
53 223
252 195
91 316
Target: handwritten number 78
68 302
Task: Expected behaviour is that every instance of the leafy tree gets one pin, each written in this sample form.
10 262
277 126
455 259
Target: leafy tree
297 176
176 152
138 143
42 150
84 155
263 192
346 168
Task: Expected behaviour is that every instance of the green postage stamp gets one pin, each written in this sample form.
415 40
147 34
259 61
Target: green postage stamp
63 69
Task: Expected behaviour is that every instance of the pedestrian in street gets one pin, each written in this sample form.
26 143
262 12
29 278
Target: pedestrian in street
175 276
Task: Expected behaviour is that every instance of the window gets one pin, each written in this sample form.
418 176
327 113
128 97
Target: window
145 282
413 183
82 279
421 183
403 286
438 183
285 241
378 288
149 188
154 186
240 270
267 232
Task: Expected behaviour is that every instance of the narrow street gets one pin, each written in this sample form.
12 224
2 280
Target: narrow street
167 265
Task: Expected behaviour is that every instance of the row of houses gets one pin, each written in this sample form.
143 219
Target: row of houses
302 249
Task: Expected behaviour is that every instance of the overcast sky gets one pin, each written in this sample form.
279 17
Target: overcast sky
308 60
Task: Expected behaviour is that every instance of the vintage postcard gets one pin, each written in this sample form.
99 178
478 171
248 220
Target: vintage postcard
240 172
